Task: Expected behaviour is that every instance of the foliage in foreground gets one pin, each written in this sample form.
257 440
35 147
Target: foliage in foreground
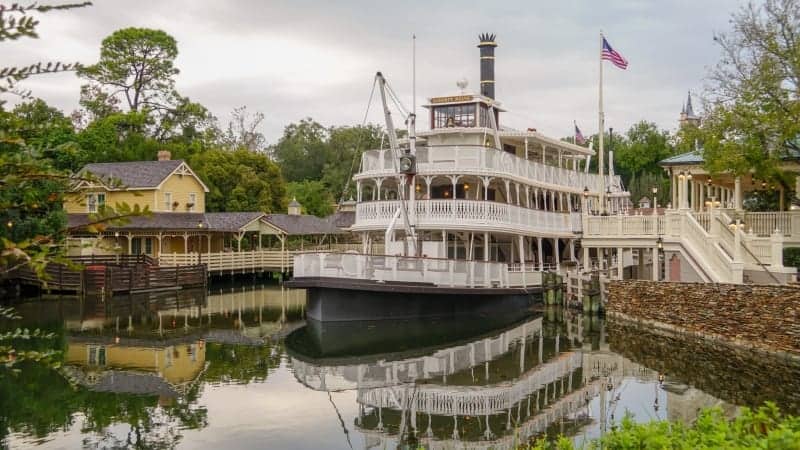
764 427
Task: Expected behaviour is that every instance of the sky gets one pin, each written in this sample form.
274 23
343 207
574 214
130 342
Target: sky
301 58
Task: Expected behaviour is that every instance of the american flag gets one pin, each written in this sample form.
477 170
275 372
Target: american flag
613 56
579 139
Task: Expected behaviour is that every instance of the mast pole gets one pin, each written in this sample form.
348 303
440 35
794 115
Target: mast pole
414 73
601 131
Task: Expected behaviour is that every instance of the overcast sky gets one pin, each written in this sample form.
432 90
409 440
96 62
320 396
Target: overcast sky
317 59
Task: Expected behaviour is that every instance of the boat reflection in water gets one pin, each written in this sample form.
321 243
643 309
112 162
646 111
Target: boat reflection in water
513 379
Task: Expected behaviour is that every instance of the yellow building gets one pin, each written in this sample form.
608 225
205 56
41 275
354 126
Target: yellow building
165 185
178 229
123 365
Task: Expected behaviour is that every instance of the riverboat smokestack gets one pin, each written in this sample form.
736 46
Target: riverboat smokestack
487 45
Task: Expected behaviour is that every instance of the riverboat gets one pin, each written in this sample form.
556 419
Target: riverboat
468 209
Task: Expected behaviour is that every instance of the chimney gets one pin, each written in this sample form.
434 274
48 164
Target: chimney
164 155
487 45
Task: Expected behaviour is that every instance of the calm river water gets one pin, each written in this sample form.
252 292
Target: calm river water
241 368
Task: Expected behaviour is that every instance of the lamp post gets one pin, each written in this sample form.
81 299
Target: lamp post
608 199
655 191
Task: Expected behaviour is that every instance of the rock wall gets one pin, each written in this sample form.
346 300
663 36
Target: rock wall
760 317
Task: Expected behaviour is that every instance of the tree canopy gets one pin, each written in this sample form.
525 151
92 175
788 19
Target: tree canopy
752 117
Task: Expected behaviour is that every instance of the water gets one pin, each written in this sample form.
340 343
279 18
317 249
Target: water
240 368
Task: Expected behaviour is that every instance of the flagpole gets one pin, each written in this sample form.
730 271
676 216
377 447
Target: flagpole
601 130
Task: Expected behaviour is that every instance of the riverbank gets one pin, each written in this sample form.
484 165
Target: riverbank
758 318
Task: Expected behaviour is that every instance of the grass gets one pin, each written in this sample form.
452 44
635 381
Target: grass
762 428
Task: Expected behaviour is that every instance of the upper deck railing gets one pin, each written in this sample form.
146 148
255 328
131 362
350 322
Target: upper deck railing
472 214
485 161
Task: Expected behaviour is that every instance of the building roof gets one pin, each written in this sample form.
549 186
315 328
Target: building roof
138 174
163 220
231 221
689 158
303 224
133 174
342 219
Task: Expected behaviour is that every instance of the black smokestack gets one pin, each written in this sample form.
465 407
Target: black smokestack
487 46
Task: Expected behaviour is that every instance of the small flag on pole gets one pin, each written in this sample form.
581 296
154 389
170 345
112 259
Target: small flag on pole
613 56
579 139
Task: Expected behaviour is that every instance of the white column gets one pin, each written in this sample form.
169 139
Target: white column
486 246
654 252
620 263
540 256
555 253
586 262
737 193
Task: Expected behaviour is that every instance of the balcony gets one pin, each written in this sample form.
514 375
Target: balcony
469 215
483 161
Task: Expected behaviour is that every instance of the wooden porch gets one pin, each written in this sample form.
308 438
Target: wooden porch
115 274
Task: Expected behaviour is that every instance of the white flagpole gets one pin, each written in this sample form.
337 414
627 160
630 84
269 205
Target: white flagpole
601 130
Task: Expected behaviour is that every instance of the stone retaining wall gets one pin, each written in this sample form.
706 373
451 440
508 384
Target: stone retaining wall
762 317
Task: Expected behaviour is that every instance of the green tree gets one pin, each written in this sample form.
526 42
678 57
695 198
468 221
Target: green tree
315 197
240 181
302 151
752 109
117 137
637 159
346 144
136 64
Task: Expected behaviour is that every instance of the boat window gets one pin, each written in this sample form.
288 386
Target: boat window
454 116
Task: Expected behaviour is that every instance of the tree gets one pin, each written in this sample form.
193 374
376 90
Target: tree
117 137
240 181
17 22
637 158
346 144
136 64
242 132
315 197
752 108
302 151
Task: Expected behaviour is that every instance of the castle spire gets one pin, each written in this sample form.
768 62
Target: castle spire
689 110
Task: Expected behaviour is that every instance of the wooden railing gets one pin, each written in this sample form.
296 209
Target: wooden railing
478 160
474 214
99 277
221 262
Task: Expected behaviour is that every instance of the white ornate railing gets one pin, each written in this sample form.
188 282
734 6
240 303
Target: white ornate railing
473 214
439 272
765 223
601 226
483 161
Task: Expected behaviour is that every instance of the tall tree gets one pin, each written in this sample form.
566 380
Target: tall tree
752 109
137 64
242 131
302 151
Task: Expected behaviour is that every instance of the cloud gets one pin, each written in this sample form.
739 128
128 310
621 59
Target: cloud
294 59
